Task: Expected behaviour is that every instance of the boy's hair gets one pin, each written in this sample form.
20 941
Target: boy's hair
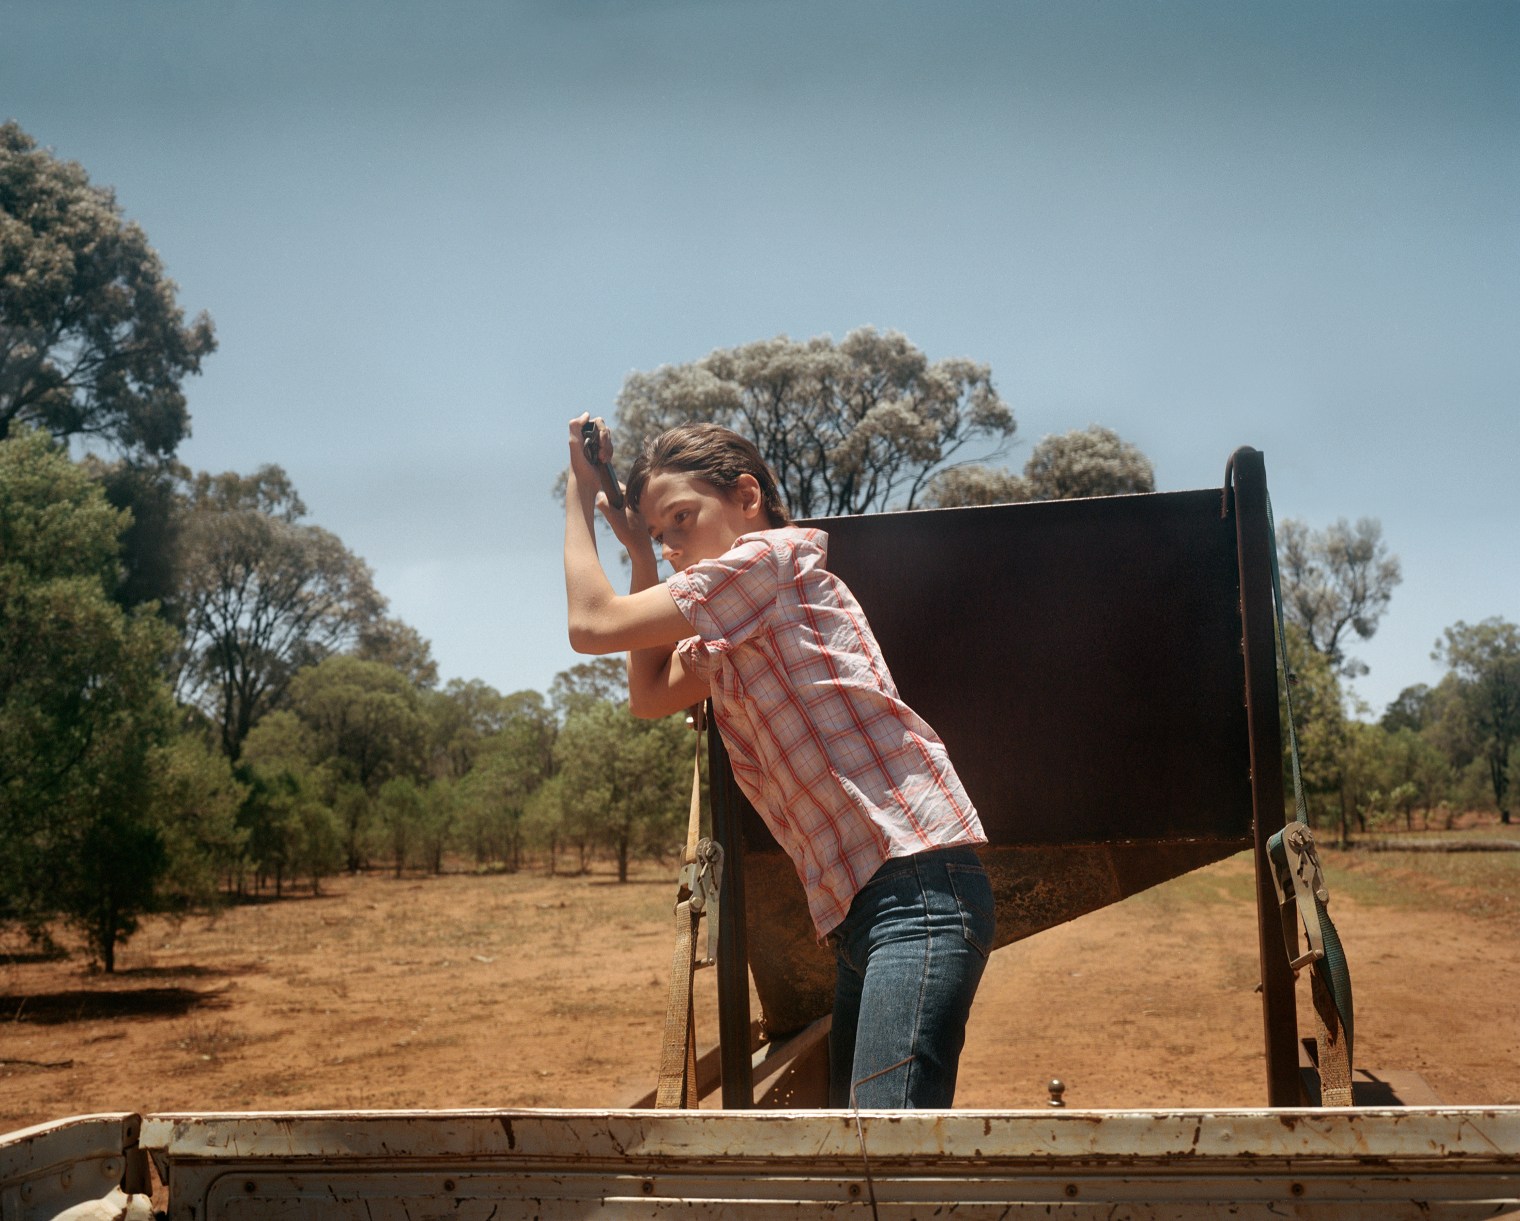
715 455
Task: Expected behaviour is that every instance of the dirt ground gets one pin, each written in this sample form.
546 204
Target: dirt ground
524 990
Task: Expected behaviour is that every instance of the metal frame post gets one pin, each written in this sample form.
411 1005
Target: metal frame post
728 806
1247 480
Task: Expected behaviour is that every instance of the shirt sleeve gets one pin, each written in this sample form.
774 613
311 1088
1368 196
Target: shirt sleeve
729 599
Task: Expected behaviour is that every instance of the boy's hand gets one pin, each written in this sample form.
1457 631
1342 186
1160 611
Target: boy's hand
627 525
585 465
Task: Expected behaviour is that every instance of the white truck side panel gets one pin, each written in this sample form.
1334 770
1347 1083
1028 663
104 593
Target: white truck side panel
1455 1163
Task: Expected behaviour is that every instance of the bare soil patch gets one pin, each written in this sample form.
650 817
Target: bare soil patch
527 991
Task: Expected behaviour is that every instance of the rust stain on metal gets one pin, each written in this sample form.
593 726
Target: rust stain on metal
1035 887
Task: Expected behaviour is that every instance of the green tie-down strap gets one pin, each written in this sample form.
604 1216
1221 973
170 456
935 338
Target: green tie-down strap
1295 869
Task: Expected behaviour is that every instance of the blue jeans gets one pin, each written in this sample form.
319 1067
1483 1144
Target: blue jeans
909 956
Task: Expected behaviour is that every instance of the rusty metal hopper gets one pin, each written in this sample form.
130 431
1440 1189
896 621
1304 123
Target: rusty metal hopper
1085 663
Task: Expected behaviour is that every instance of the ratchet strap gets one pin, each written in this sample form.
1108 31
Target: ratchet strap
696 896
1301 884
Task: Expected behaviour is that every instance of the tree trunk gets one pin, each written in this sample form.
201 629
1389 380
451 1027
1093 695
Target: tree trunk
106 930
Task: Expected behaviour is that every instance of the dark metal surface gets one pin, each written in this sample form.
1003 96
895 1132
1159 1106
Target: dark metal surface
1080 659
728 805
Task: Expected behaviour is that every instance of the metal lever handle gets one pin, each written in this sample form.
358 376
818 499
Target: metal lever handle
591 446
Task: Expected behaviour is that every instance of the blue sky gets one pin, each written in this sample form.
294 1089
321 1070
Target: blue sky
430 233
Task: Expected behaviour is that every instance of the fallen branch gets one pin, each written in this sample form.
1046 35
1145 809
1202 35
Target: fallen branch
1448 845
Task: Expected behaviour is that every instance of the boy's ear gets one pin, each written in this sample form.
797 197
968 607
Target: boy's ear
751 499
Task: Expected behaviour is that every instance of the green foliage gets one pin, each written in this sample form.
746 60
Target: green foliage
399 812
624 781
150 543
365 722
92 341
288 815
363 717
1413 708
510 766
544 821
83 707
1454 745
1484 660
355 813
436 826
851 427
196 804
1318 707
400 646
106 879
1416 775
460 718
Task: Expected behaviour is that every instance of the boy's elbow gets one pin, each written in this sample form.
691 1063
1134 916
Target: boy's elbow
584 638
640 706
592 628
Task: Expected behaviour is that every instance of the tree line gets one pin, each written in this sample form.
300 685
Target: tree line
203 692
1435 752
264 722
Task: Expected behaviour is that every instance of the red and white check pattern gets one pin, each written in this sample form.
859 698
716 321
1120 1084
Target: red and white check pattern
844 773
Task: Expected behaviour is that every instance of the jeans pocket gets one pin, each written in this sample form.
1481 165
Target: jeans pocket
973 895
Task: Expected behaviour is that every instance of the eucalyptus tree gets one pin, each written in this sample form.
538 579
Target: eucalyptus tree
508 766
264 594
850 427
1337 582
1484 660
365 721
624 780
1092 461
84 709
92 340
587 683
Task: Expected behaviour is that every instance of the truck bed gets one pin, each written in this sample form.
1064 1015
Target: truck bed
1383 1164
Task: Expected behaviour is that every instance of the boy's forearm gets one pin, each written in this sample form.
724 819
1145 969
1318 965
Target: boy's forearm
644 665
587 589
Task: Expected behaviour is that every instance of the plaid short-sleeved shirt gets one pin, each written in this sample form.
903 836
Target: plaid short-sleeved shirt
844 773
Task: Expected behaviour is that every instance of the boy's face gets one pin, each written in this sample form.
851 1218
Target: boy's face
692 520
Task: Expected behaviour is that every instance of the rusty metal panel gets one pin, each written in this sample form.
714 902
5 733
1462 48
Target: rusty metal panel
1035 886
1448 1163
